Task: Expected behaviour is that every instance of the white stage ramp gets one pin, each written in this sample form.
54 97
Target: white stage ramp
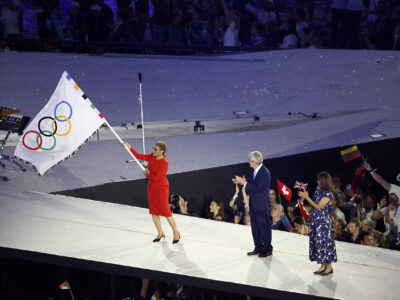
116 238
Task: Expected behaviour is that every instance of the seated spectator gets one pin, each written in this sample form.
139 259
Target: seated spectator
29 22
54 25
178 205
3 25
293 211
337 183
301 22
246 202
276 213
272 196
290 39
76 26
237 210
381 29
258 36
334 210
353 208
369 209
100 21
378 239
217 211
361 182
197 29
302 226
366 239
175 31
232 20
339 229
354 229
367 225
10 17
121 32
310 39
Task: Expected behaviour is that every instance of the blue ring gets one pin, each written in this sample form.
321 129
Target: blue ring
55 111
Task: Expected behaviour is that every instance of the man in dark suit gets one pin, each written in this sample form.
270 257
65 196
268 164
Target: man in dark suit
257 186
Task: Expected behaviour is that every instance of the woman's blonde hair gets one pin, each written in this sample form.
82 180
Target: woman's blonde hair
162 145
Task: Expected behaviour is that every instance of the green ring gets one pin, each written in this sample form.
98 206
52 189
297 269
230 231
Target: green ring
54 138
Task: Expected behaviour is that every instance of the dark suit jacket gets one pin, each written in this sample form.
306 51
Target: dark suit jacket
258 189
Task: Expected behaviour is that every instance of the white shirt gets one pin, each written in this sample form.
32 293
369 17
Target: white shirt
256 171
393 214
299 28
231 36
394 189
290 41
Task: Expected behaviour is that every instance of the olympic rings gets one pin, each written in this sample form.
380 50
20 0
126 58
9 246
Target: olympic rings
47 149
65 119
38 134
48 133
55 111
42 131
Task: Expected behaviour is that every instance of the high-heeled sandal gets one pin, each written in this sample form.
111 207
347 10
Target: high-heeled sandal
159 238
326 274
176 241
319 272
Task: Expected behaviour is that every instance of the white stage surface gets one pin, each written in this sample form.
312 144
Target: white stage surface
118 239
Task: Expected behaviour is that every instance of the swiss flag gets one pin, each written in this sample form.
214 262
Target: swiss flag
303 211
284 190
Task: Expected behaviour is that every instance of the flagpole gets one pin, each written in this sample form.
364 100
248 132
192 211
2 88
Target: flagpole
141 108
72 295
121 141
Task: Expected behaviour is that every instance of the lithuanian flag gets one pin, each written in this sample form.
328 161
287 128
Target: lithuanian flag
350 153
65 285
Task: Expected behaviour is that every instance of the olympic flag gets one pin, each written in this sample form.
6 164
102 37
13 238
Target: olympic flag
58 131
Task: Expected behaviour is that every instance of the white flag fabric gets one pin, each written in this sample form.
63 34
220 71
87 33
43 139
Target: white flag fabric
66 122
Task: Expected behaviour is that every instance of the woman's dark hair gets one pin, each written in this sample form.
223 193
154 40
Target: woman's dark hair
342 223
325 181
221 211
298 220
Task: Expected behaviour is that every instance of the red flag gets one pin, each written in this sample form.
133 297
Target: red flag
284 190
303 211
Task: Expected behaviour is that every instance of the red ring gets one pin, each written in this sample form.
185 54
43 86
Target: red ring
41 141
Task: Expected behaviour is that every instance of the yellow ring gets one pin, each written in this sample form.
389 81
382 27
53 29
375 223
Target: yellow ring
69 122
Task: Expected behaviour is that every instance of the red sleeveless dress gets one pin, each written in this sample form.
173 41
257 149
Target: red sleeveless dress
158 188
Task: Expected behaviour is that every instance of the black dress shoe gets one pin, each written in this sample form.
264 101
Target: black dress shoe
319 272
326 274
265 254
254 252
159 238
176 241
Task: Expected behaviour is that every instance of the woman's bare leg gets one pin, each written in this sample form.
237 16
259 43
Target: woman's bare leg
172 223
157 222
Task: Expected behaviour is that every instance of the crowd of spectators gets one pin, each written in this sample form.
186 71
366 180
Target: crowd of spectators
358 213
368 24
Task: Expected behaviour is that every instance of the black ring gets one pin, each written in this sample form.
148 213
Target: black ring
55 127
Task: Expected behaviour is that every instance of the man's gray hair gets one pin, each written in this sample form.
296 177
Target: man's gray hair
256 156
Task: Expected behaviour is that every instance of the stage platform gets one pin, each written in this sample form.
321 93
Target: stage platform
116 238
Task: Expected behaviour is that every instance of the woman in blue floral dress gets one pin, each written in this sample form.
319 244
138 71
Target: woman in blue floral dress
322 244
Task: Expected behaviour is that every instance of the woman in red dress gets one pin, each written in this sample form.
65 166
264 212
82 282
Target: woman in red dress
158 188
